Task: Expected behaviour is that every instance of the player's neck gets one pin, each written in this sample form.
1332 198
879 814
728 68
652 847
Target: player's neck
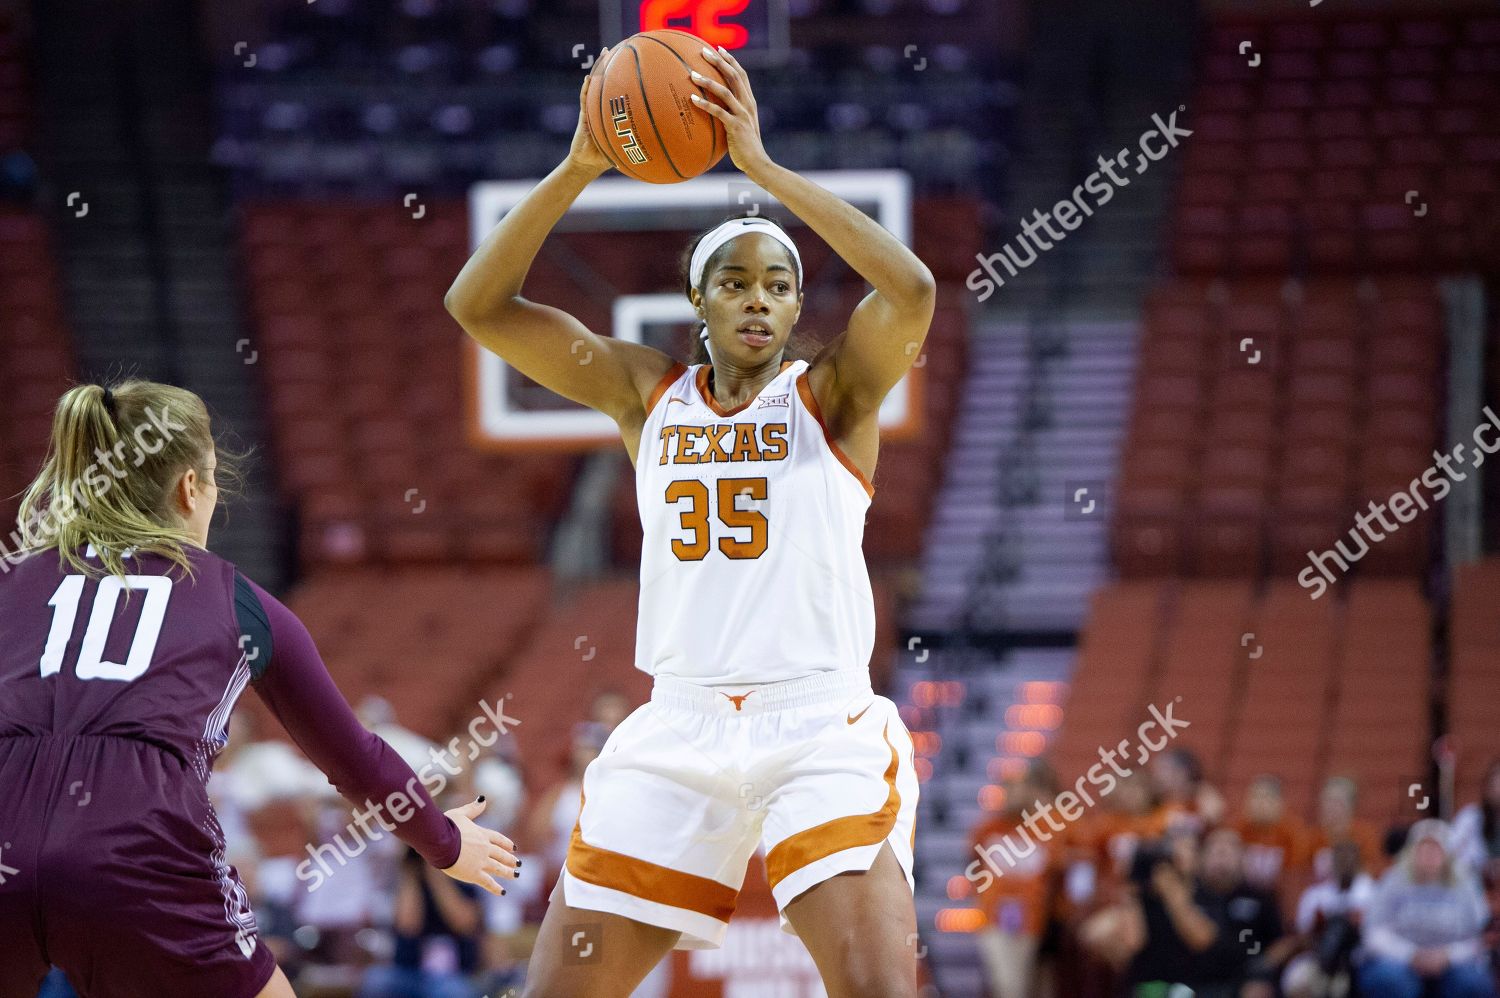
731 385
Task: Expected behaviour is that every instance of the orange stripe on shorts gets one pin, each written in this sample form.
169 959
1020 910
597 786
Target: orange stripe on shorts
849 832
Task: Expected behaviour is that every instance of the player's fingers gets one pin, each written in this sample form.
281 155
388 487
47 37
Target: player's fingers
712 85
473 809
712 108
734 73
486 883
740 75
719 58
505 860
720 91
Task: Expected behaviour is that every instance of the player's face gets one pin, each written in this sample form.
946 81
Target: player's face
750 299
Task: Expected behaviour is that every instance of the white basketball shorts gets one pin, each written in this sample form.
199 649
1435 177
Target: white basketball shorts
819 769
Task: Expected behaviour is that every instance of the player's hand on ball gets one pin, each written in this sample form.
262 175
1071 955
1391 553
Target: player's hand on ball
585 152
736 109
485 857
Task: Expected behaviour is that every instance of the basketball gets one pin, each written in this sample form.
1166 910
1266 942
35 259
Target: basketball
641 114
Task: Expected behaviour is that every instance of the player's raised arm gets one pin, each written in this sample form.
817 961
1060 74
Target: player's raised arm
295 685
886 331
538 340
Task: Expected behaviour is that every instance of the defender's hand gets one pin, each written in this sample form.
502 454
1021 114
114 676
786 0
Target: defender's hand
485 857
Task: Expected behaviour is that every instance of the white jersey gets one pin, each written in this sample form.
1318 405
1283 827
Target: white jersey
751 565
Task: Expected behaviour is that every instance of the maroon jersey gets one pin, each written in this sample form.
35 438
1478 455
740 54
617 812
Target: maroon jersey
115 695
161 658
154 657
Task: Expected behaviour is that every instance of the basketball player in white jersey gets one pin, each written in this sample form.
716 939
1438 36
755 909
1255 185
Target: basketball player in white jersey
753 474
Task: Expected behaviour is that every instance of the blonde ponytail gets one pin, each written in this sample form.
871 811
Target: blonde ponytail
115 458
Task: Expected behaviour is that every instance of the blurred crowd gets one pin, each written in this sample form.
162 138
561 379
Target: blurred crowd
1167 889
1162 889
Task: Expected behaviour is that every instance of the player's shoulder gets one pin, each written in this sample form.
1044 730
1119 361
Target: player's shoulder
263 623
655 376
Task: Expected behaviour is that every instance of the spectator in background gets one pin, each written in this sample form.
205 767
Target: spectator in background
1096 863
1329 916
506 942
1476 829
1157 932
1273 840
1127 821
437 923
1336 823
609 708
1250 945
1014 903
556 811
1200 924
1183 797
1424 924
377 714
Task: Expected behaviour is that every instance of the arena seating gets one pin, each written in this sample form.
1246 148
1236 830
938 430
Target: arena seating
364 370
431 96
1267 414
36 364
1269 683
1287 379
1354 144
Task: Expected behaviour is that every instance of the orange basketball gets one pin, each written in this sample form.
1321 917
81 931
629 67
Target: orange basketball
640 112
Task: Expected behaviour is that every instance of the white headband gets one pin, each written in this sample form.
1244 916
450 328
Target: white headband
731 229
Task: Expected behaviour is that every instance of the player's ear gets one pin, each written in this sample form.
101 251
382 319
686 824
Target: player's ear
185 493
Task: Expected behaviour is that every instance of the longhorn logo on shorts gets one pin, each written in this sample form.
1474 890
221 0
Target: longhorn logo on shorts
619 110
739 701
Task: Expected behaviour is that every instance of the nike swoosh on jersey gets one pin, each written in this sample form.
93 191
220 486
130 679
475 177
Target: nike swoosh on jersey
856 717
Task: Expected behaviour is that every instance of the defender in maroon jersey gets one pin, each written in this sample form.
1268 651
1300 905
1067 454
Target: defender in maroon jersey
124 646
